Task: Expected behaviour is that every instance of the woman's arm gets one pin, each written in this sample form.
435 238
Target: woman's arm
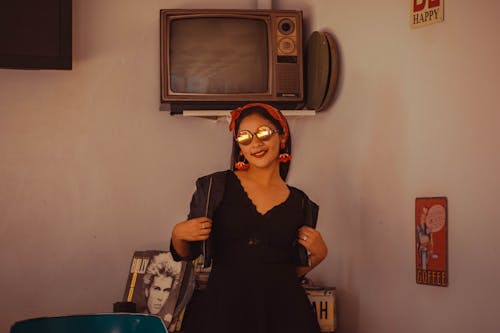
197 229
311 239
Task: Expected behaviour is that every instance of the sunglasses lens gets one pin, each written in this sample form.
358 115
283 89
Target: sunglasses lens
244 137
264 133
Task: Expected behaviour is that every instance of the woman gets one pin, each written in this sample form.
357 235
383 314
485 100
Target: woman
253 226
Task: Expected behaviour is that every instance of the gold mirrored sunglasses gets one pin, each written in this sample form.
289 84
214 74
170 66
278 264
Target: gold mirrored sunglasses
263 133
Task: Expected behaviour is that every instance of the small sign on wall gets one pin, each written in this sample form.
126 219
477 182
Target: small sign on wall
425 12
431 241
323 304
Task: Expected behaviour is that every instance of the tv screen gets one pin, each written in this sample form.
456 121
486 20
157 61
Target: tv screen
35 34
219 55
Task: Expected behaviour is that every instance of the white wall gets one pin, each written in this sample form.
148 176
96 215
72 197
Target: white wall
416 115
91 171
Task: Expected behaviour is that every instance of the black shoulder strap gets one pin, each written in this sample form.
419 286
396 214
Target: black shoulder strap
208 195
213 187
310 211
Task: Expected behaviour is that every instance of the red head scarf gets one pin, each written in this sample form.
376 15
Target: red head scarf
273 112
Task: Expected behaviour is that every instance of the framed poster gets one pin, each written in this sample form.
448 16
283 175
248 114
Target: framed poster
431 241
426 12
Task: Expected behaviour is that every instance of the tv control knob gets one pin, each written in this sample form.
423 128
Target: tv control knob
286 45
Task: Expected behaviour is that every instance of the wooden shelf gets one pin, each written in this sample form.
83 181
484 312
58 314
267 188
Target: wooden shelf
225 114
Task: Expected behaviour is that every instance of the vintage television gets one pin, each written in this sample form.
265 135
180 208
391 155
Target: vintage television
220 59
36 34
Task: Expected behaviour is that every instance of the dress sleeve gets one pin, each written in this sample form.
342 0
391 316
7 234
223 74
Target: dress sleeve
195 210
204 202
310 211
174 253
194 251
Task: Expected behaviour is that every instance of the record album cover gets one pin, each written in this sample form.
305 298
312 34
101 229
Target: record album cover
154 283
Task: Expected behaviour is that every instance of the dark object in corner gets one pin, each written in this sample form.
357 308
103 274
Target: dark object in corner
36 34
128 307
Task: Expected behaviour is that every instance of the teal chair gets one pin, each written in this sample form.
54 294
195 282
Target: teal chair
96 323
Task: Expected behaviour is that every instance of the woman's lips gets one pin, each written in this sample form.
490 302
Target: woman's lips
259 153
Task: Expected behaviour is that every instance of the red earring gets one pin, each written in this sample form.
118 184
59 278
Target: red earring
242 163
284 157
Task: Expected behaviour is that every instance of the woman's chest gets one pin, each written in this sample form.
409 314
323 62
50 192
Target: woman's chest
237 218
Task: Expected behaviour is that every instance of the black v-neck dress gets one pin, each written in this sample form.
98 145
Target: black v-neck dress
253 286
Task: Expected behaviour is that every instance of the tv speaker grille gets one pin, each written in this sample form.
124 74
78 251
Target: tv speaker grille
287 80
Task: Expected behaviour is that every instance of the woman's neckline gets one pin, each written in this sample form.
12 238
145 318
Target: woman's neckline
250 201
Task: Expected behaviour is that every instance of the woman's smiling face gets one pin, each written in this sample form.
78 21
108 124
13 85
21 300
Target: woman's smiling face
260 154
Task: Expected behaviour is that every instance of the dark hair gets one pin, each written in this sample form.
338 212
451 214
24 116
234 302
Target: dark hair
284 167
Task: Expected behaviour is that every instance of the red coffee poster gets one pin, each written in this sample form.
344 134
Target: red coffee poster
431 246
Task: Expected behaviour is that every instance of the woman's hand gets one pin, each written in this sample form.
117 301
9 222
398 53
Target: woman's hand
311 239
197 229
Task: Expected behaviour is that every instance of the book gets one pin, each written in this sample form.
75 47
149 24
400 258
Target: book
195 280
323 303
154 283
